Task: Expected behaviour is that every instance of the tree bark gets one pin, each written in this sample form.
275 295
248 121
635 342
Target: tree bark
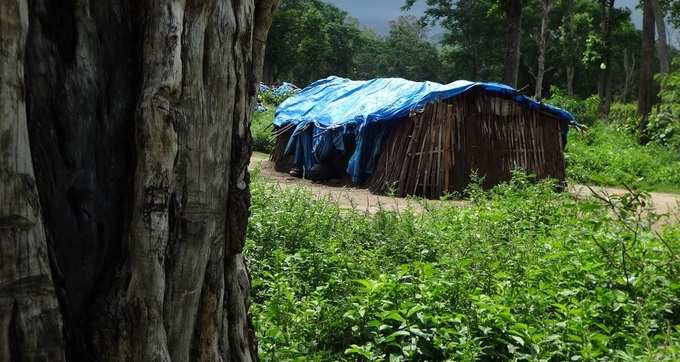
568 51
513 13
662 43
629 65
645 86
541 48
603 88
30 320
138 115
570 79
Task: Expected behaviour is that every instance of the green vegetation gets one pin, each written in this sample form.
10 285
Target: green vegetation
313 39
664 123
522 273
607 155
261 129
609 152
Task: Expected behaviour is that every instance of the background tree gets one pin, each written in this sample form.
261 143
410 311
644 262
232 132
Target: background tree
410 54
647 55
575 27
585 47
121 227
311 39
626 42
674 13
662 43
472 48
546 7
513 15
604 82
370 60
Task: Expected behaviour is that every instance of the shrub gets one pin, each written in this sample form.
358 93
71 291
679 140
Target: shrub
624 117
523 273
261 130
664 123
272 97
585 110
605 155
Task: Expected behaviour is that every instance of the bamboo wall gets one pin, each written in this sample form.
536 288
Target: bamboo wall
282 163
433 153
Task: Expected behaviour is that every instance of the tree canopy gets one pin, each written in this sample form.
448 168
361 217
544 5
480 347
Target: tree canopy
586 42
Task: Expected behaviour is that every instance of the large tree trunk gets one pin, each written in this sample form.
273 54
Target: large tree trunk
604 78
647 55
662 43
513 13
138 115
541 48
30 320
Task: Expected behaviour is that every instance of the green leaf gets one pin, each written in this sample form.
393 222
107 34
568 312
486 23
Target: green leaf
415 309
518 339
393 336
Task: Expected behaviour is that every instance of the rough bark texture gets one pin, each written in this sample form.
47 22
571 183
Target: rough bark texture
138 115
30 321
662 43
647 55
513 13
546 7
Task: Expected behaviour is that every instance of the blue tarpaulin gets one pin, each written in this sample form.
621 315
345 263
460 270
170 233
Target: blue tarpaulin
330 110
285 87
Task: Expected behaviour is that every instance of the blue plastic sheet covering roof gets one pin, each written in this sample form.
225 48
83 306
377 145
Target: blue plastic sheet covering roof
286 87
331 111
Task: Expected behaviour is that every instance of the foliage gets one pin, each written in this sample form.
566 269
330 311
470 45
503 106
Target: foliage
674 12
474 42
625 117
585 110
522 273
608 155
409 54
664 124
261 130
372 57
273 98
472 45
575 31
311 39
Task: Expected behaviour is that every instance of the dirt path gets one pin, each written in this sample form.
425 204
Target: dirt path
362 199
664 203
346 196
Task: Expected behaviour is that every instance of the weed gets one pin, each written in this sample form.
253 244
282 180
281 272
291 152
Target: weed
523 273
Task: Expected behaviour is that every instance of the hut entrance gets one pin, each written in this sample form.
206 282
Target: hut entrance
433 153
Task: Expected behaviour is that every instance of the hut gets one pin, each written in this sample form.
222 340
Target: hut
413 138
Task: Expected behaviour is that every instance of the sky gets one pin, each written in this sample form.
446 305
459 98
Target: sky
376 14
